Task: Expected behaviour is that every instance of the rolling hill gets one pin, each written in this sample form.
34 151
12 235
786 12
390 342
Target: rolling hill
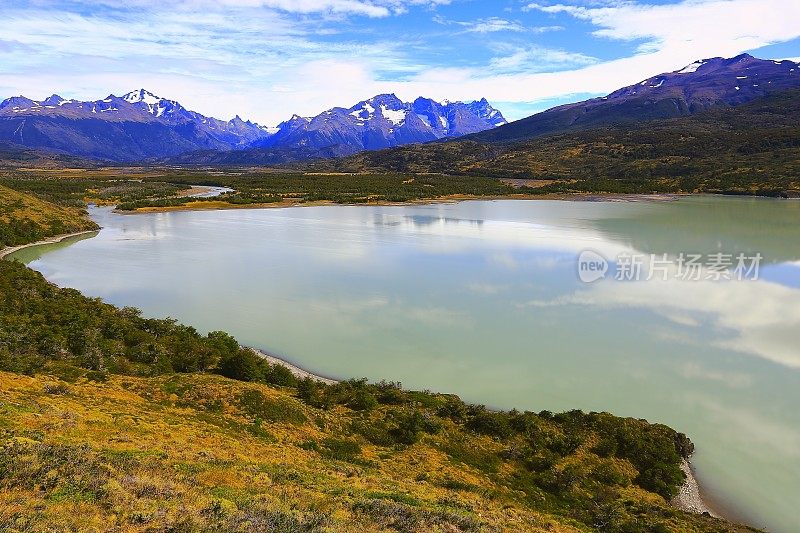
25 218
698 87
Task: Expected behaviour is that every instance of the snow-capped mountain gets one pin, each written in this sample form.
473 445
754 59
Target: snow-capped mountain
381 122
696 87
140 125
237 132
137 125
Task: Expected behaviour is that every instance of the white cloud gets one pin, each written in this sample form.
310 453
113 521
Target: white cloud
369 8
264 59
494 25
729 26
673 35
538 58
734 380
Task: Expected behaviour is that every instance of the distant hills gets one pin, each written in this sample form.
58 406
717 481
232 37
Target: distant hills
756 144
698 87
14 155
714 117
718 125
627 117
141 126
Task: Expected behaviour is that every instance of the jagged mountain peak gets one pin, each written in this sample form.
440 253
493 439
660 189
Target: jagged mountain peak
141 95
18 102
146 125
385 98
381 122
734 79
54 100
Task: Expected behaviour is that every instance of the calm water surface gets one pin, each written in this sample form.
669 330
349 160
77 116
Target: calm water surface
483 299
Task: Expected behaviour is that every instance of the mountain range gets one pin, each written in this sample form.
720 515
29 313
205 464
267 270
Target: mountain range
719 125
142 126
705 85
136 126
382 122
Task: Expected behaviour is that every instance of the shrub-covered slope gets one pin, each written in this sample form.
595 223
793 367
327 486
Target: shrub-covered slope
110 421
25 218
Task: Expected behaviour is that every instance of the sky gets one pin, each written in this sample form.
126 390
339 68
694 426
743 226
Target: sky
266 60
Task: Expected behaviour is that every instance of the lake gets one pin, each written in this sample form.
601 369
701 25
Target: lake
485 299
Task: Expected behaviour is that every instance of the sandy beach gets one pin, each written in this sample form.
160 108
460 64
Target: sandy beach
689 498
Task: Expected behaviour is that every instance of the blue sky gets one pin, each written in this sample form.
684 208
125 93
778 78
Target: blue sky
268 59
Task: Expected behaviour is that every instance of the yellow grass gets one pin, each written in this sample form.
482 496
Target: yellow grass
178 447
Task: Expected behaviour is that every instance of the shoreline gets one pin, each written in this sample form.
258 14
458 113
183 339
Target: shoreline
5 252
690 495
451 199
694 497
297 371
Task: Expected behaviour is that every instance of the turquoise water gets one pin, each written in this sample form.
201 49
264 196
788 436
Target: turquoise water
483 299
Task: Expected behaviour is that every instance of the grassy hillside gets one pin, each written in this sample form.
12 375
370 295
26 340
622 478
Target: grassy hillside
112 421
25 218
749 148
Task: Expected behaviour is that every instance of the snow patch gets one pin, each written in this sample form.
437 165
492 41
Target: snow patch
141 95
688 69
370 111
393 116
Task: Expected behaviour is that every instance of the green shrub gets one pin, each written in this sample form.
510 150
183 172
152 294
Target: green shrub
340 449
490 423
256 405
